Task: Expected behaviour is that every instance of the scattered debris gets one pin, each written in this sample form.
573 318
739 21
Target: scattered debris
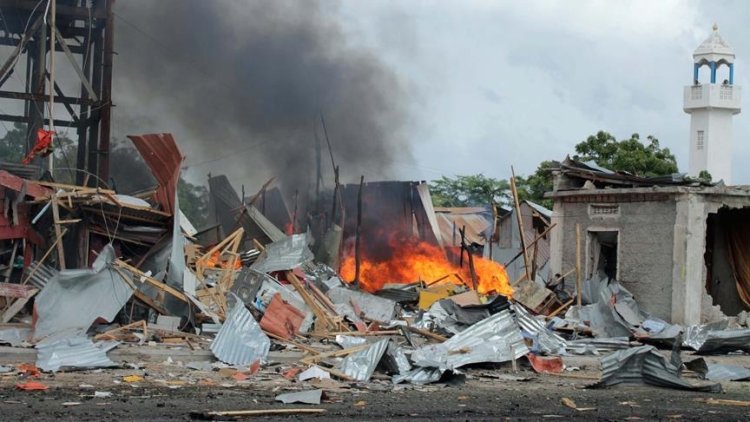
571 404
645 365
307 397
314 372
223 415
32 386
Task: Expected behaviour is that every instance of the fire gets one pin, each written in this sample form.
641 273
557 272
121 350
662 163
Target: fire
411 260
216 261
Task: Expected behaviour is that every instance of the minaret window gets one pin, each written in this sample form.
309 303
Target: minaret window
699 140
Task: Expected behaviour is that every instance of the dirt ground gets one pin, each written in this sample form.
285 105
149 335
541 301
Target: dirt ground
172 392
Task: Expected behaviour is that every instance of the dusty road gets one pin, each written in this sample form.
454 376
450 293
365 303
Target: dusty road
476 399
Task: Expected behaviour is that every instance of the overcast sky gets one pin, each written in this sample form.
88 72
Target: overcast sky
501 83
490 84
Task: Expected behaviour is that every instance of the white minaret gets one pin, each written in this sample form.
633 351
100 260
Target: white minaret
711 107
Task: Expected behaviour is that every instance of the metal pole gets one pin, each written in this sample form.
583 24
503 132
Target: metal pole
52 37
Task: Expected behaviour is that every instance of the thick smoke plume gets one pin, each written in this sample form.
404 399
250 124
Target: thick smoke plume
243 84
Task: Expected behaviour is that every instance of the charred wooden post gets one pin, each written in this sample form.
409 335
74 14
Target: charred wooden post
472 273
357 247
294 214
519 218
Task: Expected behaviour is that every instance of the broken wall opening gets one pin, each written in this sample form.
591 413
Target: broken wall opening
727 259
602 253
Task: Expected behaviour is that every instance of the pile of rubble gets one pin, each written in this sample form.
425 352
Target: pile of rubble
142 277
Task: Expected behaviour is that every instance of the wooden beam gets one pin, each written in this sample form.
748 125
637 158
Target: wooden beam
76 67
579 283
156 283
514 191
58 232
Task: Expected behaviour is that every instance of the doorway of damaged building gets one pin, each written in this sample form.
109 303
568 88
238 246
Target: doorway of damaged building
602 252
727 259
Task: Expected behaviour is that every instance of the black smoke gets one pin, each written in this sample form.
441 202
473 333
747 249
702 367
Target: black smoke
243 85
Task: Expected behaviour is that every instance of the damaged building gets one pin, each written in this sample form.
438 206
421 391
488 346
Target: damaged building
678 245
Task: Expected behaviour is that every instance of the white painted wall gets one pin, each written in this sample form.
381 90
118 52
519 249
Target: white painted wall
711 107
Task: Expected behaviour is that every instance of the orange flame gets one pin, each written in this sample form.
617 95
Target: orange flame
412 260
216 261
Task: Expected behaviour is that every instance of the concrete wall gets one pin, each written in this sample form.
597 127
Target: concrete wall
645 247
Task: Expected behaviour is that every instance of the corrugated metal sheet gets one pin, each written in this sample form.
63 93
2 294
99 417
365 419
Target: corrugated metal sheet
423 190
395 359
42 275
374 307
164 158
361 365
15 336
419 376
549 342
545 212
74 299
726 341
595 346
72 352
265 224
645 365
696 335
285 254
478 223
496 339
240 340
717 372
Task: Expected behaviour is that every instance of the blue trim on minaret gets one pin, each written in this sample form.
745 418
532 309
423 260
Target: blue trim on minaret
713 72
731 73
696 66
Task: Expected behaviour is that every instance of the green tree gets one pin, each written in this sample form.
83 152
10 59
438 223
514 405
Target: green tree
129 174
537 184
13 144
631 155
193 202
468 191
705 176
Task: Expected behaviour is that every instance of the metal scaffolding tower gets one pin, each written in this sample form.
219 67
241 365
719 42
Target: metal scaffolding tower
82 33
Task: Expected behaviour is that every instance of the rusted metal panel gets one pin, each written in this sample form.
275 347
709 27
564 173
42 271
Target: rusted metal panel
477 220
164 158
16 183
282 318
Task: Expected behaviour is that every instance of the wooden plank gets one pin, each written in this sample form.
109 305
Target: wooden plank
521 230
111 334
150 302
16 307
292 342
579 282
336 353
156 283
16 290
76 67
560 309
261 412
319 313
58 232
